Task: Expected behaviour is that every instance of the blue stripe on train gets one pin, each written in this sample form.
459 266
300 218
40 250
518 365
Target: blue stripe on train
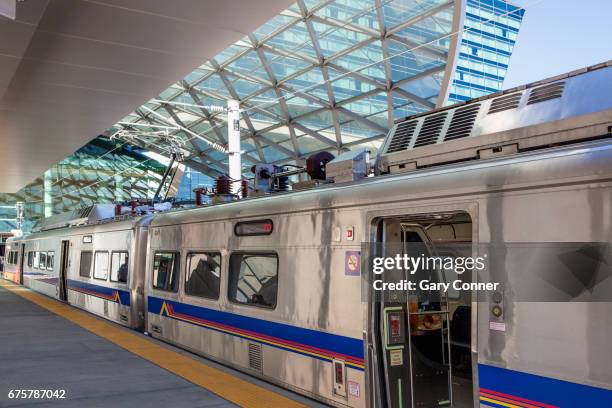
100 291
543 389
335 343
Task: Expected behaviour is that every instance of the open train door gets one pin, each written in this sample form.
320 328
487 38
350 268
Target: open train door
411 328
63 271
21 264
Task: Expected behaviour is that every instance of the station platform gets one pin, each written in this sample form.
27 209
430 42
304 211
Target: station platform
48 345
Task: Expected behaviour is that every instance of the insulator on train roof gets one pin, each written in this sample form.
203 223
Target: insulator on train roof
244 184
133 205
281 183
199 192
315 165
118 208
223 186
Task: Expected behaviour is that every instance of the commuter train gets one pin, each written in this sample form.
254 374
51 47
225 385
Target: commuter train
274 286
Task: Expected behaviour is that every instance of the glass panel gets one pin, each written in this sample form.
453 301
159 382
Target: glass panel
253 279
101 266
119 267
42 260
85 265
203 275
165 271
50 260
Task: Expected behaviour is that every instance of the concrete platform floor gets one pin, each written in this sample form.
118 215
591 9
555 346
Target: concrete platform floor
42 350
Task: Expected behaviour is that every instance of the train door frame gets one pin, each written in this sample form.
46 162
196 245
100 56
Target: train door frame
21 263
63 271
375 379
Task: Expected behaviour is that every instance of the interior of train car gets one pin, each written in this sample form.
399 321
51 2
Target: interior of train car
429 362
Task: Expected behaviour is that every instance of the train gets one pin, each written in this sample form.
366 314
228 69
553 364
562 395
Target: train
275 286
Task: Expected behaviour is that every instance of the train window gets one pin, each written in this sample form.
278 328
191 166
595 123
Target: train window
248 228
30 258
253 279
203 275
35 259
50 260
85 265
165 271
101 265
119 267
42 260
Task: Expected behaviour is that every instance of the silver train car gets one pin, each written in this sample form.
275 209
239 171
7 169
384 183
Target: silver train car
98 267
275 286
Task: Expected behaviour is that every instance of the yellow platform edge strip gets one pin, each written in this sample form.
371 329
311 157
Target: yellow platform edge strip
227 386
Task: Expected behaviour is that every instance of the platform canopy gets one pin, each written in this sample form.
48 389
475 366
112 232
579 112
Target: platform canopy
69 69
321 75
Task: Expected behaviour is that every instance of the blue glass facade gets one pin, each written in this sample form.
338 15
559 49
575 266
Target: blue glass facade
491 30
192 179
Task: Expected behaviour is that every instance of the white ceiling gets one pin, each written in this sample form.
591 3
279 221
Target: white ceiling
72 68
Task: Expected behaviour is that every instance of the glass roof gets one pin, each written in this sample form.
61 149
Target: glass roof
322 75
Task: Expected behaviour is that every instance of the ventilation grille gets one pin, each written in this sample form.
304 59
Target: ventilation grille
546 92
505 102
462 122
84 212
255 357
430 130
401 137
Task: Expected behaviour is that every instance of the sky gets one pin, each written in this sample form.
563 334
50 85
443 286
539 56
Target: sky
558 36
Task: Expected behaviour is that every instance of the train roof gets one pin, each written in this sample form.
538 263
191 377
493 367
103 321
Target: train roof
102 225
590 160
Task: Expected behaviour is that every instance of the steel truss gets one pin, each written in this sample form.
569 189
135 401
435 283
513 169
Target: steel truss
321 76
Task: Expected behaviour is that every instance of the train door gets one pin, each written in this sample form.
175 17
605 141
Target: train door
63 271
21 264
414 328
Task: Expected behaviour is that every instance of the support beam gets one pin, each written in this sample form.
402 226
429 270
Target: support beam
233 143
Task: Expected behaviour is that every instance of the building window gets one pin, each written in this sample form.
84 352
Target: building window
50 260
119 267
203 275
85 265
253 279
165 271
101 265
42 260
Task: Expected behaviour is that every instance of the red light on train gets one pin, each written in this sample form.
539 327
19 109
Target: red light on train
395 325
